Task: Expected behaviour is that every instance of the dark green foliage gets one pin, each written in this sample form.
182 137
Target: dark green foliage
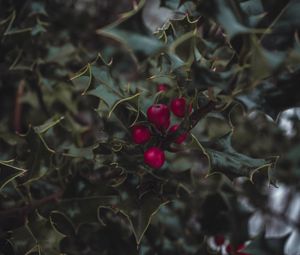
75 76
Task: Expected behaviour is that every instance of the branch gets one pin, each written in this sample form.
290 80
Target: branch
26 209
202 112
184 127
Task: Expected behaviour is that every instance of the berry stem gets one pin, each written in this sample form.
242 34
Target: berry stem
198 115
195 117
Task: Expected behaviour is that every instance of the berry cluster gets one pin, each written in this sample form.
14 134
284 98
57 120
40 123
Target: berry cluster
237 251
220 240
158 116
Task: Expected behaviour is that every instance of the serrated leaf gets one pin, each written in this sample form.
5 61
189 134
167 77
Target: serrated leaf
9 172
273 98
48 124
264 62
133 41
225 159
106 94
38 29
77 152
122 101
38 235
61 55
85 209
227 16
266 246
140 211
38 8
40 154
6 247
62 224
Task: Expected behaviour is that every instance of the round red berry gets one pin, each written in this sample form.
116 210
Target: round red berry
159 115
181 138
140 134
178 106
154 157
162 87
219 240
228 248
238 251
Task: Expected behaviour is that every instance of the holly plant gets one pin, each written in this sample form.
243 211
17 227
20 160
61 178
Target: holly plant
147 127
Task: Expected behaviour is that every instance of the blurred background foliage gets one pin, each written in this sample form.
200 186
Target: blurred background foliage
75 75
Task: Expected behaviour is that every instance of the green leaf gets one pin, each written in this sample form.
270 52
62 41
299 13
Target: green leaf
62 224
140 211
123 100
264 62
40 155
108 95
272 98
85 209
47 125
38 8
38 29
61 55
6 247
133 41
266 246
228 17
9 172
38 235
225 159
77 152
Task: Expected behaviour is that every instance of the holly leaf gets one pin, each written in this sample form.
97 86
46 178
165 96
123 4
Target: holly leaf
225 159
39 153
272 98
85 209
62 224
97 81
6 247
140 211
76 152
9 172
263 62
133 39
226 13
108 95
61 55
265 246
37 235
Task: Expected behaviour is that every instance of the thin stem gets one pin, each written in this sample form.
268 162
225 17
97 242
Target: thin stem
26 209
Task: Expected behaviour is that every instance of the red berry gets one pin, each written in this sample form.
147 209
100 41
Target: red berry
219 240
178 106
228 248
159 115
140 134
241 247
238 250
181 138
154 157
162 87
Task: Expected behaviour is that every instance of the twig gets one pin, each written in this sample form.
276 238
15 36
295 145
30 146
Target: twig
198 115
26 209
193 120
